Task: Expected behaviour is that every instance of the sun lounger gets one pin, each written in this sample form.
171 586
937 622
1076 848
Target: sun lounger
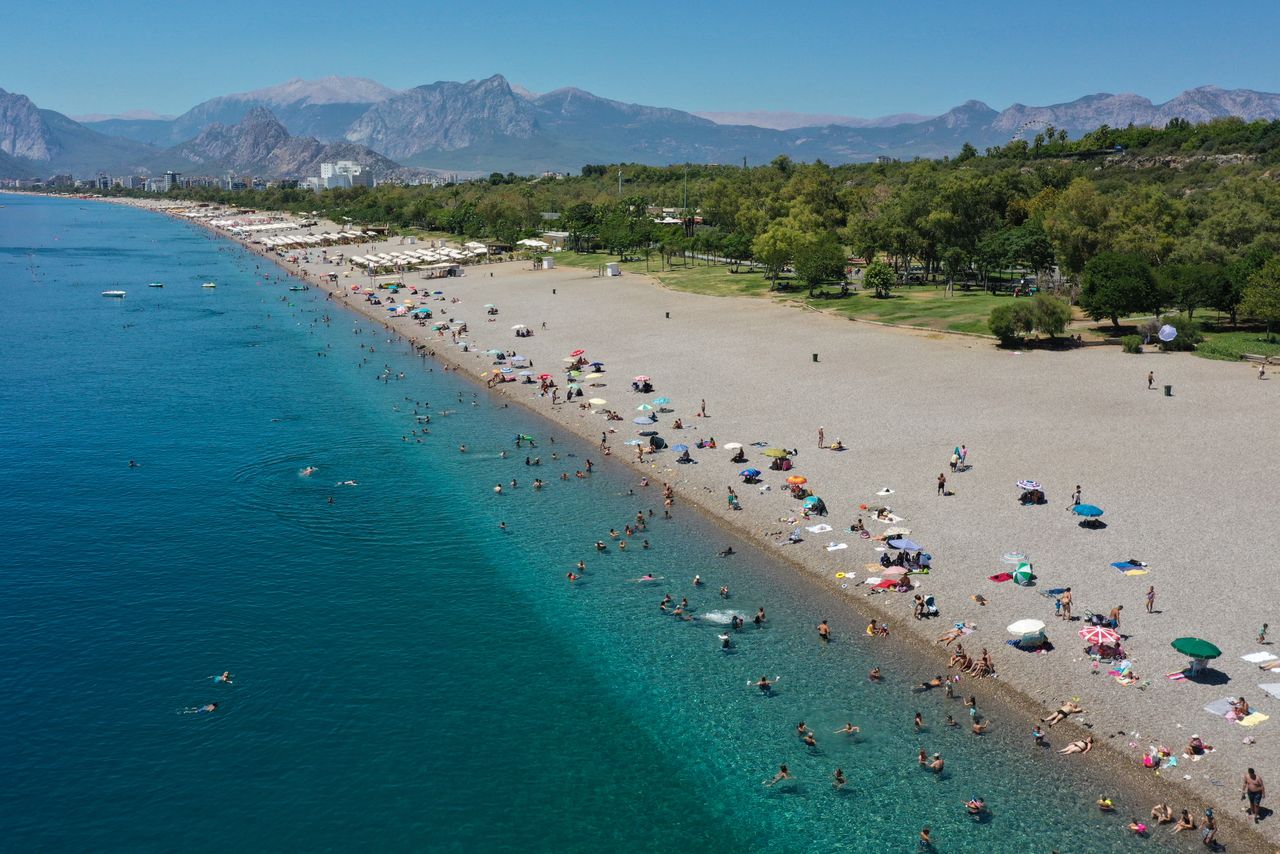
1259 657
1000 576
1272 688
835 547
819 529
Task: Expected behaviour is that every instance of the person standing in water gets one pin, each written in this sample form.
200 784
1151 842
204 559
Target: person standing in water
824 631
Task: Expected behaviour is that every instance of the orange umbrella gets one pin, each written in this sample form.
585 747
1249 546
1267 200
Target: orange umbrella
797 479
577 352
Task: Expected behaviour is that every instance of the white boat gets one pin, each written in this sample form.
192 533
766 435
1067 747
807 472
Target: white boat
156 285
113 293
208 285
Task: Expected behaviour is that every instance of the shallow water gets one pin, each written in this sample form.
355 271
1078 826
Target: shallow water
407 675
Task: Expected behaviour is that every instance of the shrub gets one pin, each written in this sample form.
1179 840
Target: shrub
1131 343
1189 334
1012 321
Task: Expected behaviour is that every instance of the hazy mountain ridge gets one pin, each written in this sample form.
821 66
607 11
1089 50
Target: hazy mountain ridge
492 125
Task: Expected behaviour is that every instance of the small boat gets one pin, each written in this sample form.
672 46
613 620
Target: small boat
156 285
116 294
208 285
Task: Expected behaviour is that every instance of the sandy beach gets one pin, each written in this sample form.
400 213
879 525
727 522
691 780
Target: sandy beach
1186 480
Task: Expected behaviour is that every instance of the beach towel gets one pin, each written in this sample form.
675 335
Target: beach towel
887 583
1128 564
864 535
873 581
892 520
1000 576
1220 707
1134 572
1272 688
1258 657
1177 676
818 529
872 567
1255 719
835 547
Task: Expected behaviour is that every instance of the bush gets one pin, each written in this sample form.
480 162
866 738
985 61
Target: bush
1131 343
1012 321
1050 314
1189 334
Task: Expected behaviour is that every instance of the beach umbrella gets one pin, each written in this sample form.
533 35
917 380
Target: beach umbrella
1088 510
494 352
749 473
644 407
732 446
776 453
519 326
1196 648
567 359
1023 575
642 379
661 401
679 449
634 442
489 305
812 500
544 376
576 353
507 370
797 479
1028 484
526 373
573 386
1014 557
597 364
597 401
1099 636
437 293
1025 627
904 544
1167 333
594 376
642 420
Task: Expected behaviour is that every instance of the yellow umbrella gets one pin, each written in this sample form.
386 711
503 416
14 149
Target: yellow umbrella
597 401
594 376
797 479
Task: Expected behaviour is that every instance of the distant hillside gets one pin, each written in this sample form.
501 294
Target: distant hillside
43 142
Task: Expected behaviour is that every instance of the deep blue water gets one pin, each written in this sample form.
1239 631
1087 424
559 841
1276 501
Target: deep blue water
407 675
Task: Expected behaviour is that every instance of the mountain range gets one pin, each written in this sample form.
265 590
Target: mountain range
493 125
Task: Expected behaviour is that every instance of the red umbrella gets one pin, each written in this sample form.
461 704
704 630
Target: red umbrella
642 379
577 352
1099 636
544 376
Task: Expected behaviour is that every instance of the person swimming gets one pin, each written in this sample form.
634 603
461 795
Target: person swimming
765 685
848 729
725 642
308 471
725 552
975 806
223 679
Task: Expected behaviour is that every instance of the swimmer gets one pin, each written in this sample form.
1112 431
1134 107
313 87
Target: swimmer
502 526
133 464
725 642
600 546
497 489
666 600
1105 805
202 710
725 552
975 806
308 471
918 722
613 534
980 728
622 546
645 544
765 686
582 566
936 765
724 592
223 679
809 740
571 576
874 675
848 729
928 686
697 581
838 780
462 449
1038 735
759 617
783 774
824 631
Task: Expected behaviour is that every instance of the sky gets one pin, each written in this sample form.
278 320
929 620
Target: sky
844 58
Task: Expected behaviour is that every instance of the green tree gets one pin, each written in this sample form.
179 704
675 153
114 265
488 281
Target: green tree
821 259
1011 321
775 247
1261 298
1075 223
1115 284
1050 315
879 276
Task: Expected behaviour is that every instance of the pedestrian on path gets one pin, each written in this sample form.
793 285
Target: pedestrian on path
942 483
1151 380
821 438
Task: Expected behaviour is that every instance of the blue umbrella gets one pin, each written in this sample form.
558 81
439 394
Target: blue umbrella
812 500
749 473
904 544
641 420
1088 510
679 449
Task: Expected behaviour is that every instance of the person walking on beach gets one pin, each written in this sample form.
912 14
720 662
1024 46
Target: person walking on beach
1075 497
821 437
942 483
1151 380
1151 599
1254 789
1066 604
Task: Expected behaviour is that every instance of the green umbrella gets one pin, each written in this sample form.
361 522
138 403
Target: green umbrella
777 453
1022 575
1196 648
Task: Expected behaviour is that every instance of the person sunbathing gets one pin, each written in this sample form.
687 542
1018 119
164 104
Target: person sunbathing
1064 711
1196 747
950 636
1162 813
1079 746
837 445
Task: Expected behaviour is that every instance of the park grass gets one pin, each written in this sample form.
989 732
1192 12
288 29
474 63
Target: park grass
1230 346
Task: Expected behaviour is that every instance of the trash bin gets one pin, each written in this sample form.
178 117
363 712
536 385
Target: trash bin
815 357
1168 391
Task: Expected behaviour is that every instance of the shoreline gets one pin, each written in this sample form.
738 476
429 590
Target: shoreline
880 607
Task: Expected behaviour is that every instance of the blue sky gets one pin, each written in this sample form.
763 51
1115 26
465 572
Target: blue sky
848 58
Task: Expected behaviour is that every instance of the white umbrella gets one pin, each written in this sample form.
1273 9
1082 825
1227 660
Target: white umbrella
597 401
519 326
732 446
1026 627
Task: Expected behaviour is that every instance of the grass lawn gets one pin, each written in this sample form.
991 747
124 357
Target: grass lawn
918 305
1228 345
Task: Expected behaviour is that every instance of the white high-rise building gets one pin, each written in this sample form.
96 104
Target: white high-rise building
344 173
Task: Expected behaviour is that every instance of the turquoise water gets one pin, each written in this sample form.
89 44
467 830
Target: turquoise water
407 675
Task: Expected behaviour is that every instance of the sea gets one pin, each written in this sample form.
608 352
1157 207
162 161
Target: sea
408 675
